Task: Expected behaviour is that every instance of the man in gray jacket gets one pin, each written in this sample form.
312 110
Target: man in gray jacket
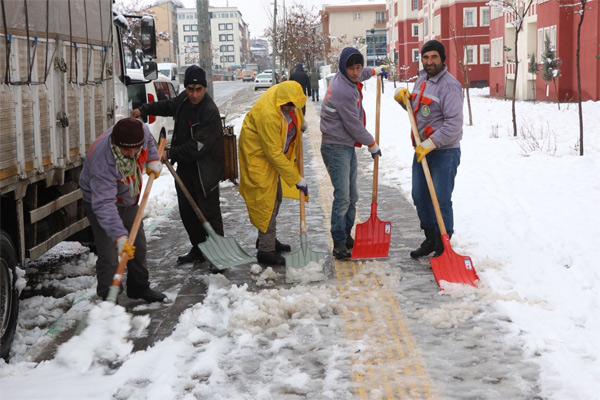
343 128
111 180
437 102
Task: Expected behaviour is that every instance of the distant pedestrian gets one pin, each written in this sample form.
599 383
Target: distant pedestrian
110 181
343 128
198 150
315 77
300 76
437 102
267 154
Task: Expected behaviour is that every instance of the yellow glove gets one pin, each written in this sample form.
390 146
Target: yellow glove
124 246
154 167
401 95
424 148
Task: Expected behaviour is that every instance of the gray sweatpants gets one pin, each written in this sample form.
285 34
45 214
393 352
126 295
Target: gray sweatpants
266 241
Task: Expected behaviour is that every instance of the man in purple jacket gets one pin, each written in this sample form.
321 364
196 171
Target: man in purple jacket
343 129
437 102
111 181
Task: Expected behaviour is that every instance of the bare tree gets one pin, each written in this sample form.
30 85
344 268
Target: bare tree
516 10
581 12
464 67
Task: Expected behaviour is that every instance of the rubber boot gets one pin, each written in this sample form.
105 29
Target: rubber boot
428 245
439 245
340 251
270 258
279 247
349 241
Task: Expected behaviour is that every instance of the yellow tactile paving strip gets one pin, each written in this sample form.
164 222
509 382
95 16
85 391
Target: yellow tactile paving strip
389 364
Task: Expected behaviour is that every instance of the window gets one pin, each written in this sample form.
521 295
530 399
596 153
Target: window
550 32
230 58
496 12
415 55
415 4
380 17
437 27
484 51
195 38
187 28
415 30
223 48
357 16
222 38
229 27
187 38
230 38
426 26
180 16
485 16
223 59
222 27
470 55
195 28
230 47
497 55
469 17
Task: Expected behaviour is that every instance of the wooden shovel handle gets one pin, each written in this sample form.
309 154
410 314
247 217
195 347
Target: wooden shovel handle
299 158
136 222
376 159
436 204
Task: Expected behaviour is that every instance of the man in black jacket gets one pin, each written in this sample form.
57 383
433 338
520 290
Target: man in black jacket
300 76
197 148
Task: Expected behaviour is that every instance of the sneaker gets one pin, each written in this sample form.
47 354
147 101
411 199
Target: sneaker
270 258
340 251
279 247
194 255
146 294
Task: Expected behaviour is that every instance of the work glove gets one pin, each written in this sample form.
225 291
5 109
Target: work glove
424 148
304 126
400 95
302 185
154 167
381 70
374 150
123 245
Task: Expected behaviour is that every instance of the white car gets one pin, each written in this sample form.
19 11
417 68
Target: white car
170 71
142 91
263 81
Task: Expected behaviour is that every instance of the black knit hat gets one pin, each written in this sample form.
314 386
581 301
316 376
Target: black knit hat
128 133
355 59
434 45
194 75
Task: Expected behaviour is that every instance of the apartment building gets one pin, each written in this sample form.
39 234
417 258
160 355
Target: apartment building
558 22
165 17
361 24
229 37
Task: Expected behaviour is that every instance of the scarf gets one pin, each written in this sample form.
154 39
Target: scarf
129 170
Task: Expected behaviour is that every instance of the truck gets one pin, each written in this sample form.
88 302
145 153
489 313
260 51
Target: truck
63 83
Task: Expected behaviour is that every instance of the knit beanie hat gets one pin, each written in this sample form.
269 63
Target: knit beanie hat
195 75
128 133
355 59
434 45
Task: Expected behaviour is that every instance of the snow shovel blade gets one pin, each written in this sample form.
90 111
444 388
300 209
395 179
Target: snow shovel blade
372 238
296 262
223 252
452 267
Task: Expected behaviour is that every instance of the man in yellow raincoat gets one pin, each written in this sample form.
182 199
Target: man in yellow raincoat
267 152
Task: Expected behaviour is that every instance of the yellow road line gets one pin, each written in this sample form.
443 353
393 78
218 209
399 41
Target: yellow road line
389 362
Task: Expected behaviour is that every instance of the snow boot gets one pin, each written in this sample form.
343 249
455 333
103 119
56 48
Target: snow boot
428 245
279 247
194 255
340 251
439 245
349 241
146 294
270 258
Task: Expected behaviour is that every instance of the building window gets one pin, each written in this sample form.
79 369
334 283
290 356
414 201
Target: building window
230 47
415 30
470 55
180 16
437 26
497 54
222 27
229 27
195 28
484 54
426 26
195 38
187 38
380 17
223 59
223 48
187 28
222 38
230 58
550 32
230 38
357 16
485 16
469 17
415 4
415 55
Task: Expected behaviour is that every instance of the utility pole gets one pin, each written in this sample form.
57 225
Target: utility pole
274 74
204 43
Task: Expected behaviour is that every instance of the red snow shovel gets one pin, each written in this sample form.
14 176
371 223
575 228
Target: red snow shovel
372 238
448 266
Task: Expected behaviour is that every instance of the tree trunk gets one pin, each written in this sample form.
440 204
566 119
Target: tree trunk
556 91
582 15
514 97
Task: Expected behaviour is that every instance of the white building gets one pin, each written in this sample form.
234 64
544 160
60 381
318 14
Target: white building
229 37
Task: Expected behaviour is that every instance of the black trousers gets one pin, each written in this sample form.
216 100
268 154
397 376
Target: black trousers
210 205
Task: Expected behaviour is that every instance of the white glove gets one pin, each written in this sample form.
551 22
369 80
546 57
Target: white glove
302 185
154 167
381 70
123 245
304 126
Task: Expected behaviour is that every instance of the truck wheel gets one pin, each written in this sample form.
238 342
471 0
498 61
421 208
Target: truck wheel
9 295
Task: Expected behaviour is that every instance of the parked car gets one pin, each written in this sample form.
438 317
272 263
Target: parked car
143 91
248 75
170 71
263 81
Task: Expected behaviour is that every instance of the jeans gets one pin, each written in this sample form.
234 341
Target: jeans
340 162
315 92
443 165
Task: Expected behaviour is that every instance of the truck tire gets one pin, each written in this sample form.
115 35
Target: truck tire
9 295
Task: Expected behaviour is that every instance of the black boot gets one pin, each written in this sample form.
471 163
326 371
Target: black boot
270 258
146 294
279 247
340 251
428 245
349 241
194 255
439 245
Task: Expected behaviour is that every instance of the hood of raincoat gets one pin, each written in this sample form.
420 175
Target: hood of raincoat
261 156
346 53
